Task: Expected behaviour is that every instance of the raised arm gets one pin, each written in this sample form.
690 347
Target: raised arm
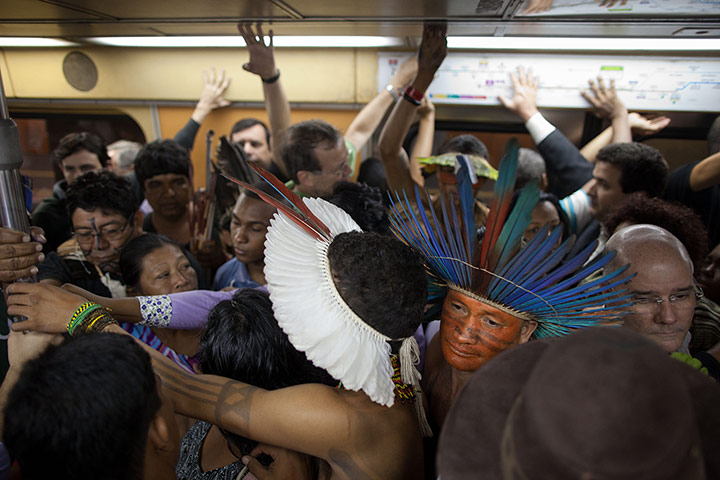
424 139
431 54
606 104
368 119
639 125
212 97
262 64
562 158
706 173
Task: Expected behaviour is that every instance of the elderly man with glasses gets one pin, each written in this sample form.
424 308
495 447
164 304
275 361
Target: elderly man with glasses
664 290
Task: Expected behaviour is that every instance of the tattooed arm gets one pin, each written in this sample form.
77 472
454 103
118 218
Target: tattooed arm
309 418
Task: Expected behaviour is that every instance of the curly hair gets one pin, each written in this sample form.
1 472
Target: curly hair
75 142
643 168
364 204
677 219
102 191
159 158
381 279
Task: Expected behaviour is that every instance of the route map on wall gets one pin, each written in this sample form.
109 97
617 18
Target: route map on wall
654 8
643 83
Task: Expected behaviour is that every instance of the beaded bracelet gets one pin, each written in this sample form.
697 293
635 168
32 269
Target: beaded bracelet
89 317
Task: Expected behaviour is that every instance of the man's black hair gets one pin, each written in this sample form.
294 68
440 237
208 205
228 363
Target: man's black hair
381 280
300 141
75 142
246 123
642 168
466 144
133 253
531 166
159 158
243 341
81 410
102 191
364 204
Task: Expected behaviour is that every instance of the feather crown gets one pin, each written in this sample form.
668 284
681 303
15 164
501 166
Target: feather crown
311 311
538 282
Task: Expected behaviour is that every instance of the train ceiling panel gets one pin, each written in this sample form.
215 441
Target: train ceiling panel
398 18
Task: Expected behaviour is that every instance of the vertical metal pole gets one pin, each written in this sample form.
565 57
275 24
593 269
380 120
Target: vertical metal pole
13 213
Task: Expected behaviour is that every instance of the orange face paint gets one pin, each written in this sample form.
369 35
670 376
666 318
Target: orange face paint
472 332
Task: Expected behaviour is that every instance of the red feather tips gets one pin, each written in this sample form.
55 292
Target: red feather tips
311 226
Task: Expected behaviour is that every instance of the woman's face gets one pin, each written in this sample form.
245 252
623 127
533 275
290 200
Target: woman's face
166 270
543 214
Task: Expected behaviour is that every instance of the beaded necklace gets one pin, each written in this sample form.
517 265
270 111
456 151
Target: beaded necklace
403 391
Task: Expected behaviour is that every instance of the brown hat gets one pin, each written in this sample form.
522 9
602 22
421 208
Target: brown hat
602 403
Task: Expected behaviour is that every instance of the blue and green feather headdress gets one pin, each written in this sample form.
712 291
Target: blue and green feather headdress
537 282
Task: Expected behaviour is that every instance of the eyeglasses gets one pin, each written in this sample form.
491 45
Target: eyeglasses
678 301
110 233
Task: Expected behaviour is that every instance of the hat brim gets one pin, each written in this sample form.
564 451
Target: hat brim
467 449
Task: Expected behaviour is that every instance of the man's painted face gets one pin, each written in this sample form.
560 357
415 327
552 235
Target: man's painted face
102 236
605 191
78 163
447 182
169 194
254 143
472 332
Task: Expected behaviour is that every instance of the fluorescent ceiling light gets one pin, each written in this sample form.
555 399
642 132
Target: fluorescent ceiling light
237 41
585 44
34 42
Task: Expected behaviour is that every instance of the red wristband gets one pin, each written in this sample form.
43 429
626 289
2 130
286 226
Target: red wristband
414 94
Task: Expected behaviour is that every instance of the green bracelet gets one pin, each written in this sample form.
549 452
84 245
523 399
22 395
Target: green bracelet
79 314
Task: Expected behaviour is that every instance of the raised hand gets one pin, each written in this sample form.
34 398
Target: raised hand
433 48
426 107
641 125
524 100
405 72
604 100
262 57
212 94
611 3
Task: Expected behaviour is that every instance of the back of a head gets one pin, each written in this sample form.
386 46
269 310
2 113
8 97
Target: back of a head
243 341
75 142
466 144
300 141
102 191
531 166
246 123
81 410
713 137
127 152
681 221
643 168
364 204
161 157
381 280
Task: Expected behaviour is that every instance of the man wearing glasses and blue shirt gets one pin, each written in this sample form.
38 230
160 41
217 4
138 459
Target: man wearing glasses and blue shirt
664 291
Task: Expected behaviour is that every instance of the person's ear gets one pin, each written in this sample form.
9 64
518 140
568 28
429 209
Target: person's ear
131 291
543 182
527 330
159 434
137 221
305 177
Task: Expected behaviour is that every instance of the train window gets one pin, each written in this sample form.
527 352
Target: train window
40 133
